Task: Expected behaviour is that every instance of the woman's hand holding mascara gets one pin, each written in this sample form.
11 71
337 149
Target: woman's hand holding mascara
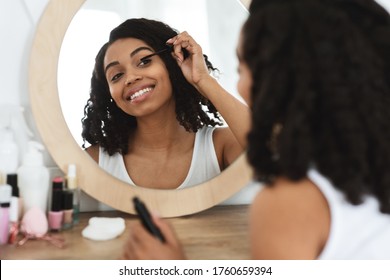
196 72
193 67
141 245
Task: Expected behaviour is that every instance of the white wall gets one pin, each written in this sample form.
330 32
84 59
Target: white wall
384 3
18 20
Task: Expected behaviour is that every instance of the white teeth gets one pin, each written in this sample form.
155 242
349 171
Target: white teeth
140 93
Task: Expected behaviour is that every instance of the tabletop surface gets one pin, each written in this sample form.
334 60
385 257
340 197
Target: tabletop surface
219 233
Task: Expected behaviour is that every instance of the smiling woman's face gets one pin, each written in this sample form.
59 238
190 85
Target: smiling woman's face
138 87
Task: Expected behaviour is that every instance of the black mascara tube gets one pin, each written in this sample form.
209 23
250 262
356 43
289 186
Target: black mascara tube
146 219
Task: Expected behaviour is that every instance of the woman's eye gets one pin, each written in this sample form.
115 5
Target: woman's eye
116 77
144 62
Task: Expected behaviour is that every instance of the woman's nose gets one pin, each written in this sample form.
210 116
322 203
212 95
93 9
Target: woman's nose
131 78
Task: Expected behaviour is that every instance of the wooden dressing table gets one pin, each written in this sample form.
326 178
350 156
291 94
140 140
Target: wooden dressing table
219 233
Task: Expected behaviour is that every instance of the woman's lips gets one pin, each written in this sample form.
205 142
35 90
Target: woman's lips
136 95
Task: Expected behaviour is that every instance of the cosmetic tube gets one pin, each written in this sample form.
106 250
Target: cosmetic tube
67 197
72 186
5 201
55 214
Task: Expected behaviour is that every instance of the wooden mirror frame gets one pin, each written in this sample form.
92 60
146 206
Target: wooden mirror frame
63 148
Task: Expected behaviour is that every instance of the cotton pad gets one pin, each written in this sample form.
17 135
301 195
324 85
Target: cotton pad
102 228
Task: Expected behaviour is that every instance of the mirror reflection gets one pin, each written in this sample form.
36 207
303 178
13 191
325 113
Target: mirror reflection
155 116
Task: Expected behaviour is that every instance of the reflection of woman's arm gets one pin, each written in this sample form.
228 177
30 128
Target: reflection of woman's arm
235 113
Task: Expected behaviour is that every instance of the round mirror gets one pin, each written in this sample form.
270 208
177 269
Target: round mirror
90 27
65 149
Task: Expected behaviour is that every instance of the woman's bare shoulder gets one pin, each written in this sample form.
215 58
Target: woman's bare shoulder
93 151
289 220
226 146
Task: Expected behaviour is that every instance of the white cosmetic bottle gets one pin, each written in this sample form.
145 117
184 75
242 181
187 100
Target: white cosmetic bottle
72 185
33 177
9 152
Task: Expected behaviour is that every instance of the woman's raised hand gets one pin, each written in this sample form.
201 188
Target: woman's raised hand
189 56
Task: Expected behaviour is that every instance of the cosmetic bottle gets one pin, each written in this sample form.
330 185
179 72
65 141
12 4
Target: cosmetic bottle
9 152
16 208
33 179
57 185
55 214
72 186
67 197
5 201
12 118
15 211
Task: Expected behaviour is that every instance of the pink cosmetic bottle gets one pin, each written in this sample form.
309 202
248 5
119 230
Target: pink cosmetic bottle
5 202
55 214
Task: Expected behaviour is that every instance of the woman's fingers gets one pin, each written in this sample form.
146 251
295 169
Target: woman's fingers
142 245
166 230
183 41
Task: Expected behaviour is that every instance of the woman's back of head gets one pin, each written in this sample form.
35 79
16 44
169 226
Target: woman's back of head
321 95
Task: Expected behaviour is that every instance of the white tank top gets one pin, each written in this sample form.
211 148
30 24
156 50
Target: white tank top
204 163
356 232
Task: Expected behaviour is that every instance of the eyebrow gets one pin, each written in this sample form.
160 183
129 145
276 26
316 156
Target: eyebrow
133 53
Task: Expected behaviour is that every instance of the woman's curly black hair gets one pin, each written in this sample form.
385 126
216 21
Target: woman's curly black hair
104 123
321 93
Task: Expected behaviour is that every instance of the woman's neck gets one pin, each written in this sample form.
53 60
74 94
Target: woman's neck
161 132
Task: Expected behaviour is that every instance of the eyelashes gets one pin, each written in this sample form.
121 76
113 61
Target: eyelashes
167 48
144 61
116 77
